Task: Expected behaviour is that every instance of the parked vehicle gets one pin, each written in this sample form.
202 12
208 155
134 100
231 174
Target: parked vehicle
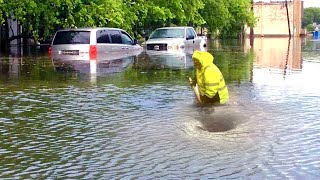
173 46
174 38
84 44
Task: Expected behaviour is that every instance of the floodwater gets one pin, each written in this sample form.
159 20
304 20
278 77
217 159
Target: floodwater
137 118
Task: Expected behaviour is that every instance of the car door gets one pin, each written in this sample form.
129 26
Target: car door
118 48
190 38
196 40
128 43
104 46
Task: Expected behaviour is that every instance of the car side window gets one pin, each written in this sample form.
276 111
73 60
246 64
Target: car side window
190 32
126 39
115 37
193 32
103 36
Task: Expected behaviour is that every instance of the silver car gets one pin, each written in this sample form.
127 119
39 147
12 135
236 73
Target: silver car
85 44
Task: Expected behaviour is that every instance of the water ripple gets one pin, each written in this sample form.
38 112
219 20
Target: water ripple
155 131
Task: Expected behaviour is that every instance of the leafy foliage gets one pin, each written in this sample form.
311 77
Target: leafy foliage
310 15
41 18
238 17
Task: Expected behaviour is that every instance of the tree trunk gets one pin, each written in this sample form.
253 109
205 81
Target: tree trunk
5 35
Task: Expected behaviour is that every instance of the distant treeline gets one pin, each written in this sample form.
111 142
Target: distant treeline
310 16
41 18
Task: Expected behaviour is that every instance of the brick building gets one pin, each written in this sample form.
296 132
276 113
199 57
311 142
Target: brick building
272 18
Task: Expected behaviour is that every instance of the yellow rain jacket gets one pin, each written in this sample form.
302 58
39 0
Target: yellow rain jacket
209 78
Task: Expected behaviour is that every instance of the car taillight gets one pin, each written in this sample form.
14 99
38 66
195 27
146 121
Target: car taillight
93 52
50 51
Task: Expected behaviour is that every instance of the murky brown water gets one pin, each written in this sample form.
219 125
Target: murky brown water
136 118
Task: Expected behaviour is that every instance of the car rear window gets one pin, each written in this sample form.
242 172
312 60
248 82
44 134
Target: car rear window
72 37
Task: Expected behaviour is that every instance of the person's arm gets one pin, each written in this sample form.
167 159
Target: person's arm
193 81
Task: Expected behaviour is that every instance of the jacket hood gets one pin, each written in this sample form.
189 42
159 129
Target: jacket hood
204 58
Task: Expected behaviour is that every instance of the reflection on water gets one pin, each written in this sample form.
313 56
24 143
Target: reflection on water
95 67
311 50
142 122
278 54
164 61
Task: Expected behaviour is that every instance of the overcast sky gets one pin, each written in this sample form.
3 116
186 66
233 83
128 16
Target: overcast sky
307 3
311 3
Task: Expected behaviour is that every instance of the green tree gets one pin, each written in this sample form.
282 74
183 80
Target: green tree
192 9
41 18
227 18
310 15
156 13
163 13
2 11
215 13
239 16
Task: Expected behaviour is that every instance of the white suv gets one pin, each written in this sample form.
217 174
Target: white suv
85 44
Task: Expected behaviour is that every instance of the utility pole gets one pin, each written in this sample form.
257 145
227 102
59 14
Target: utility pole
251 28
288 19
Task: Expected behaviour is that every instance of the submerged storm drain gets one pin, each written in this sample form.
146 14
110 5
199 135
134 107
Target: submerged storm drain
215 126
218 122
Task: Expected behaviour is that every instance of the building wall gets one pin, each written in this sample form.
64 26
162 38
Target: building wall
272 19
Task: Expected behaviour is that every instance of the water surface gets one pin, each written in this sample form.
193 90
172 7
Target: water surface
142 122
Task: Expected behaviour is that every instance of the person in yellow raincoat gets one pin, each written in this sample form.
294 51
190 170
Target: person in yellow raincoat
211 84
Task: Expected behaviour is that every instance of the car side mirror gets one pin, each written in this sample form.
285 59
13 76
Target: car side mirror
146 38
190 37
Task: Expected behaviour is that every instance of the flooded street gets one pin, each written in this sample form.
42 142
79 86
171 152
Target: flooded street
136 118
